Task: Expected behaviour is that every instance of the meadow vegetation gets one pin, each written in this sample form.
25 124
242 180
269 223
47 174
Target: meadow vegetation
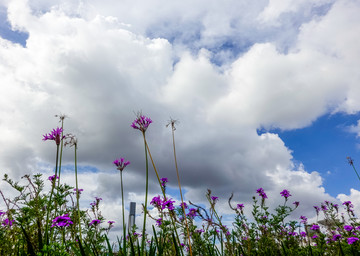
39 222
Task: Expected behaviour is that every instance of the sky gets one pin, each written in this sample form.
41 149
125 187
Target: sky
267 94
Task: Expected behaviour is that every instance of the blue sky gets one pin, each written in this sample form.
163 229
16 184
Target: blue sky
265 93
324 146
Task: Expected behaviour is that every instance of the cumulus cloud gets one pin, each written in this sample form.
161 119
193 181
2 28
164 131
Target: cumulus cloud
90 64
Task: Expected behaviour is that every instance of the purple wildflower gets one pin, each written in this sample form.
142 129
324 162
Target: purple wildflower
62 221
293 234
141 123
317 209
2 213
348 227
164 181
314 236
352 240
8 222
159 222
168 204
324 208
336 237
111 222
51 178
95 222
303 219
348 204
285 193
192 213
184 204
303 234
240 206
120 164
79 190
261 193
156 201
214 198
296 203
315 227
55 135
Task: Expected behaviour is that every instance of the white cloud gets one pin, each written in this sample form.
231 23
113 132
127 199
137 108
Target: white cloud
354 129
98 70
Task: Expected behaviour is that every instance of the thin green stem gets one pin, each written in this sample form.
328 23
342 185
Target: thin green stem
146 196
51 193
178 177
77 194
356 171
163 191
123 214
61 148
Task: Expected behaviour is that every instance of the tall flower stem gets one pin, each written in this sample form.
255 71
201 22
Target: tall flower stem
351 162
163 191
121 164
172 122
61 147
123 214
51 194
146 195
77 193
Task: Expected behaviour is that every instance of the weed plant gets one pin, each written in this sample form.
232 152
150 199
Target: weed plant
38 222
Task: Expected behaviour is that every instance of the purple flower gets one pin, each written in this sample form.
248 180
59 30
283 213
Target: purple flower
159 222
79 190
8 222
317 209
141 123
156 201
303 219
348 227
96 202
164 181
2 213
55 135
324 208
261 193
51 178
315 227
314 237
184 204
285 193
214 198
348 204
95 222
296 203
240 206
120 164
111 222
352 240
336 237
62 221
303 234
168 204
293 234
192 213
